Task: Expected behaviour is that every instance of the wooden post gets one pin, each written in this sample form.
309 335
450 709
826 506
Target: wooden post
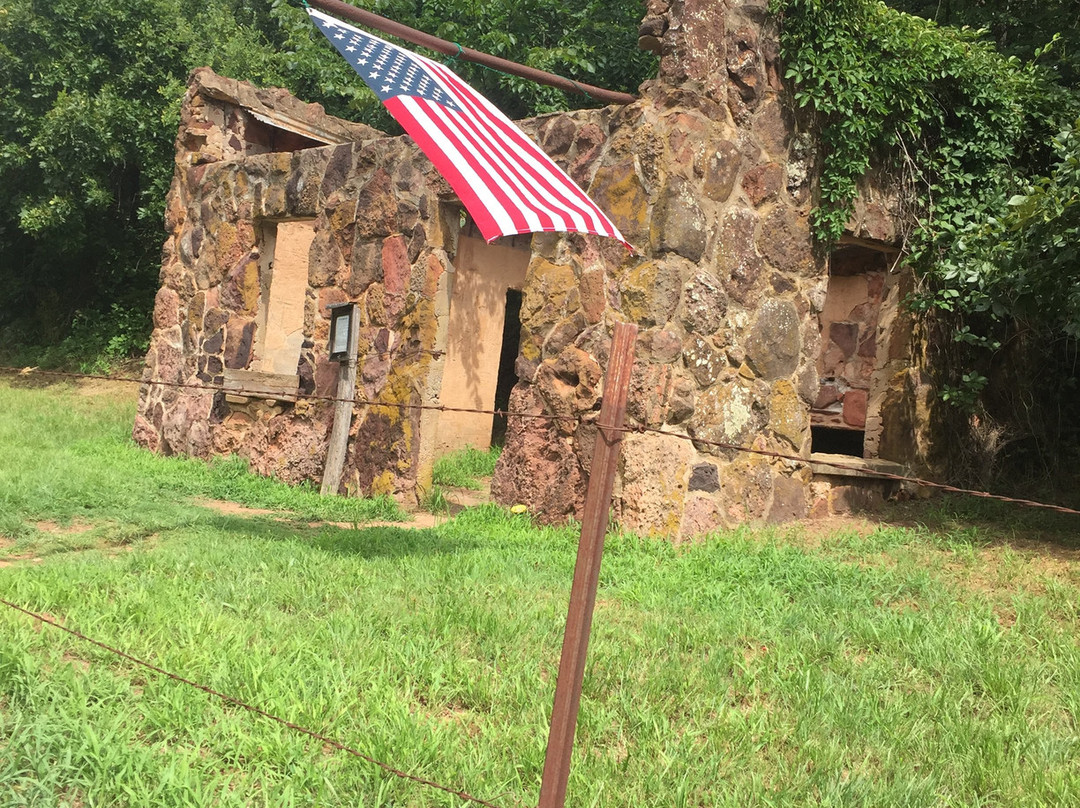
605 461
343 412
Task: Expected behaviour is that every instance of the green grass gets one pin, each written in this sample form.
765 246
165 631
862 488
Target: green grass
918 664
69 458
463 468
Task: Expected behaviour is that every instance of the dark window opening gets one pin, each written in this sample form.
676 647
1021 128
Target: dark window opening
830 440
511 340
274 139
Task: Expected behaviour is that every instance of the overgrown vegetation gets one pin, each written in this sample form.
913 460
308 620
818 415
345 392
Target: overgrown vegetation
89 101
986 150
871 665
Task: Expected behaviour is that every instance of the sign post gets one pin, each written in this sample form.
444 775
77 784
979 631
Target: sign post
344 340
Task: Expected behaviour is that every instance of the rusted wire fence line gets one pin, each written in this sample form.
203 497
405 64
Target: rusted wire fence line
633 428
318 736
610 431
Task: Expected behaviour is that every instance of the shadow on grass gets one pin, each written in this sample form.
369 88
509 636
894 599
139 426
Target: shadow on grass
985 523
362 542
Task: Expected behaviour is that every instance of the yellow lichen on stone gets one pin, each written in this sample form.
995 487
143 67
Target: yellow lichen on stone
223 238
788 418
618 190
383 485
249 287
547 287
637 286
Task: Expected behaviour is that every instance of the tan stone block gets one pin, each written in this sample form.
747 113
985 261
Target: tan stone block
654 474
789 418
593 288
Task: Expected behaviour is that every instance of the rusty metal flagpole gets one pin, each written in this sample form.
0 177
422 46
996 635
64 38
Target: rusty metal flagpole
605 461
372 20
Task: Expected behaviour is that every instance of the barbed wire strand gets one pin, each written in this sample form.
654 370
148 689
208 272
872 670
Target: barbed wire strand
861 470
640 429
464 795
267 394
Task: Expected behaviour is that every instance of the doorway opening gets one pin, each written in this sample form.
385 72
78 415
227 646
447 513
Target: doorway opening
511 340
483 335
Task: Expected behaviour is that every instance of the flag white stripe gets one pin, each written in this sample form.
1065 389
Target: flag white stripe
515 143
477 160
527 149
518 185
525 184
464 165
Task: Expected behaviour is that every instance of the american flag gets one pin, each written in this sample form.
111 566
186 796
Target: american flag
505 181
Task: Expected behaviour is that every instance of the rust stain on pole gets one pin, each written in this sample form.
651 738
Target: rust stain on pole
434 43
605 461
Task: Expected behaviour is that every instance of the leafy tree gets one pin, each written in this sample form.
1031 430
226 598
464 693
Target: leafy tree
1018 29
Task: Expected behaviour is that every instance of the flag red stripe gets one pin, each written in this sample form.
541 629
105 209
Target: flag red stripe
569 191
552 180
496 175
501 170
477 208
496 186
501 176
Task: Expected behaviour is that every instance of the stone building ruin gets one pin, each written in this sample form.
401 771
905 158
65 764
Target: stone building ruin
748 334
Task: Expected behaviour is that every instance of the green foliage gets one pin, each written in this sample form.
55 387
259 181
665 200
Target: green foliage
937 104
463 468
89 101
1025 262
1018 29
986 154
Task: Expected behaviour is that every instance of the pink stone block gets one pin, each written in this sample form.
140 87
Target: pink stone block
855 408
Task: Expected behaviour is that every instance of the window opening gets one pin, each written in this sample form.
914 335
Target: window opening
283 282
849 347
830 440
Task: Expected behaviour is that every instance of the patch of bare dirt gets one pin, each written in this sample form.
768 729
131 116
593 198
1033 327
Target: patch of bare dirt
8 559
232 508
813 532
56 529
421 520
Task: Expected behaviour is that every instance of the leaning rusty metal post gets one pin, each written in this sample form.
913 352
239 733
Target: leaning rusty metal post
594 524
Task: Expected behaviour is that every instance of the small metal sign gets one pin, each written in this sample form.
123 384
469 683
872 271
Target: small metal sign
342 322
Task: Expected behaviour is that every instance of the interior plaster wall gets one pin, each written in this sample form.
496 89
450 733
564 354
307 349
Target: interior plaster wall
482 274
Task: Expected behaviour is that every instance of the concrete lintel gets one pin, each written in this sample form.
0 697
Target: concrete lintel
862 467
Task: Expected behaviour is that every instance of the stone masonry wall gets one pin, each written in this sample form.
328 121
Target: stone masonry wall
705 177
378 224
704 174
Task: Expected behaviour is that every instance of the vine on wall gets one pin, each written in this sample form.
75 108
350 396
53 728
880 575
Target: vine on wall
987 151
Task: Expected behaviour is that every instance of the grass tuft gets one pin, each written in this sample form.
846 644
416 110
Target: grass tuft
465 467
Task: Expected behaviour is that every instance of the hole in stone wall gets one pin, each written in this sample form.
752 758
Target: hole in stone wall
270 138
511 340
830 440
